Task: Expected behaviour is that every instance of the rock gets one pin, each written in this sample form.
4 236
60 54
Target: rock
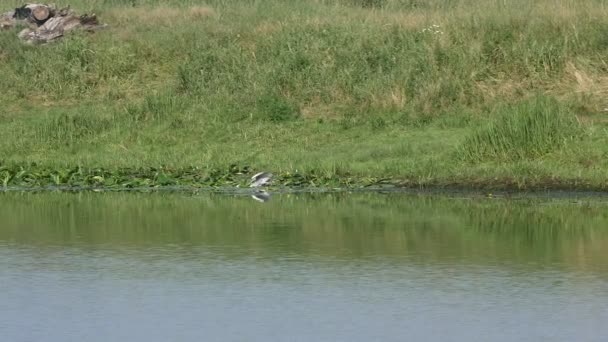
47 23
7 20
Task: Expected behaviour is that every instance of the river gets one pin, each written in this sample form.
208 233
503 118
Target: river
306 267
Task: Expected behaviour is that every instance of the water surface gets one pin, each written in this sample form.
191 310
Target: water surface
322 267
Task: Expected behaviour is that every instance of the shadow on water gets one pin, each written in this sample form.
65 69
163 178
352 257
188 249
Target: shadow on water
417 228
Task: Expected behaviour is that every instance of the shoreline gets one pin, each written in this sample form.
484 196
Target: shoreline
476 96
235 180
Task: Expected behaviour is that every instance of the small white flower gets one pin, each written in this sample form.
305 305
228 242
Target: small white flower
434 29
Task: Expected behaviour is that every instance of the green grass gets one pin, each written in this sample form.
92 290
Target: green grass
528 130
459 93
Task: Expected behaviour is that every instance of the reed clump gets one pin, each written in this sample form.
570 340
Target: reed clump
529 129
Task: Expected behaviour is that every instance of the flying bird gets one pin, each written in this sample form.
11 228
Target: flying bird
260 179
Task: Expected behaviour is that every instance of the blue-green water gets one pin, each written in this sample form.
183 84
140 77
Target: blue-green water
334 267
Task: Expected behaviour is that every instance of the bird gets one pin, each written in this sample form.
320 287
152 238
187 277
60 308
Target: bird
260 179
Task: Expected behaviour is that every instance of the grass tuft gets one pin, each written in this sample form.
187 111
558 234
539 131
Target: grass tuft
70 128
276 108
526 130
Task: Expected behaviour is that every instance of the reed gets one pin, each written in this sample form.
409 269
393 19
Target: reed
527 130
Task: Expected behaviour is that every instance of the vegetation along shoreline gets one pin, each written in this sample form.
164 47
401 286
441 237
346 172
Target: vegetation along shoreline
322 93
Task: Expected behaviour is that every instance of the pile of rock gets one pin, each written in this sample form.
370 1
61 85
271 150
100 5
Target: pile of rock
46 23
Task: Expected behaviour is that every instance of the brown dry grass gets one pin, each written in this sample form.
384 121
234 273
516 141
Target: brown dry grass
591 88
395 98
160 15
201 12
268 27
317 110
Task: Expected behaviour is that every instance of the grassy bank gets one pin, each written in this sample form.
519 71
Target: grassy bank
460 93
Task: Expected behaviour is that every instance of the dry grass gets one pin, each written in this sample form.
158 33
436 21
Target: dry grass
201 12
160 15
502 88
268 27
583 82
592 89
317 110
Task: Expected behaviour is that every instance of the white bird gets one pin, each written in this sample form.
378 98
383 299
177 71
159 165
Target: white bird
260 179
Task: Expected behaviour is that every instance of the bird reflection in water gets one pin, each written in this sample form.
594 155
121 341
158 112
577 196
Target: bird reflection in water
258 180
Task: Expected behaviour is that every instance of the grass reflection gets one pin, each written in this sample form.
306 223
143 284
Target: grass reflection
422 228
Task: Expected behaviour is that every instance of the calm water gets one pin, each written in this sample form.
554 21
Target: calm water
363 267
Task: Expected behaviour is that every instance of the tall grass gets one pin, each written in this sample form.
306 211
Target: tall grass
329 58
529 129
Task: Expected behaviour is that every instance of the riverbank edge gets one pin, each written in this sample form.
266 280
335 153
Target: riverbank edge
38 178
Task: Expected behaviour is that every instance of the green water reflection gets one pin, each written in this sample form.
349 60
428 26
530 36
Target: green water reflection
565 233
